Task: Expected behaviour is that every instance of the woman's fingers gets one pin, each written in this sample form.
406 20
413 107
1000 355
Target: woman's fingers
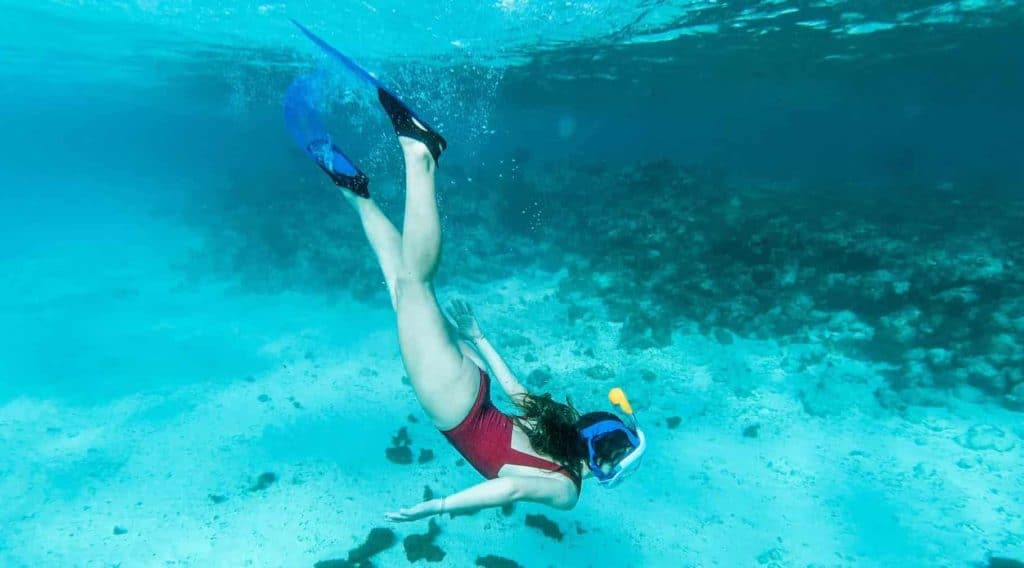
398 516
405 515
460 313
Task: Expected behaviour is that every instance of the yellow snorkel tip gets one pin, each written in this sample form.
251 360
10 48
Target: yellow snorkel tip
618 398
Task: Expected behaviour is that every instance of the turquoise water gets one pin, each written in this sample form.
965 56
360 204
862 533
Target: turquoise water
790 230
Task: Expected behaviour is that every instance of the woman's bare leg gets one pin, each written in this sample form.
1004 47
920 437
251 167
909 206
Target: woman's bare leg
384 239
445 382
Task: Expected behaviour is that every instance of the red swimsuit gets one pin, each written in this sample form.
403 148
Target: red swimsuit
484 438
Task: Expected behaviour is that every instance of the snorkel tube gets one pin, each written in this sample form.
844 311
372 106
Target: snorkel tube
617 397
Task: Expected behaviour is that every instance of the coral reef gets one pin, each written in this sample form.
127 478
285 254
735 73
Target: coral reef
422 547
400 451
904 278
379 540
909 277
546 526
264 481
492 561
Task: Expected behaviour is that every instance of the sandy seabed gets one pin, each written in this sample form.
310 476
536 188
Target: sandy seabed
142 406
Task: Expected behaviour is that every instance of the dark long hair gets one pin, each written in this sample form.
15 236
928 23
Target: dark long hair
552 430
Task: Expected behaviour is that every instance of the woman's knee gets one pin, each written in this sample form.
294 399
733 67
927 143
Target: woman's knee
406 286
420 264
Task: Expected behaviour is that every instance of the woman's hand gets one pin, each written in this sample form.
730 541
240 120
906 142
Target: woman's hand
416 512
465 321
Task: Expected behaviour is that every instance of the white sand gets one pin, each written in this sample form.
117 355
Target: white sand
176 420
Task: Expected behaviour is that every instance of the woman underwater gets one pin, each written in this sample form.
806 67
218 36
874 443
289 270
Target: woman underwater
542 455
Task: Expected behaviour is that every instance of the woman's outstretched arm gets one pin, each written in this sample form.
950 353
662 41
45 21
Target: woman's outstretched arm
506 378
495 493
469 329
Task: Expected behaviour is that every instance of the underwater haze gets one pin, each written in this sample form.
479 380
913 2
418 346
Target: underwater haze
790 230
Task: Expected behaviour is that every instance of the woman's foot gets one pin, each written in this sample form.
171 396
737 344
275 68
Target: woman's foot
409 125
417 155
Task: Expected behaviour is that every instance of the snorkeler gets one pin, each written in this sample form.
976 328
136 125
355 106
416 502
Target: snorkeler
540 456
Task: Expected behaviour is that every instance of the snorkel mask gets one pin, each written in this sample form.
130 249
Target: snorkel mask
628 463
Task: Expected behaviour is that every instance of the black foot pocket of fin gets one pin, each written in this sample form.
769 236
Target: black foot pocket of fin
407 124
358 184
340 169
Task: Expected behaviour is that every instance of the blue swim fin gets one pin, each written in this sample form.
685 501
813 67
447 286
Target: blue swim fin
406 122
308 130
